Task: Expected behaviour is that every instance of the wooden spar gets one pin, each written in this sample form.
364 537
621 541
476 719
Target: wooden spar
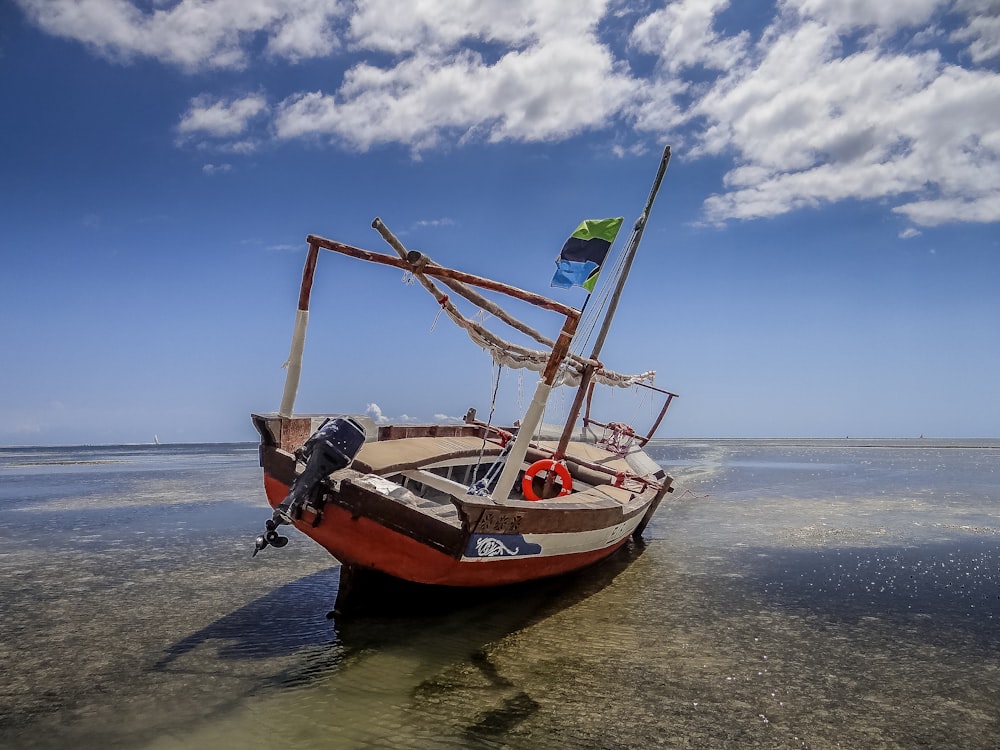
421 261
663 413
595 354
293 364
643 440
446 304
447 273
533 415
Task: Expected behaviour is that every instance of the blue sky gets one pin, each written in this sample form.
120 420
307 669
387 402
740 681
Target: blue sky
823 258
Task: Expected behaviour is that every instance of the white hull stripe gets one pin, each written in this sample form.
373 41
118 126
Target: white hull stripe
488 547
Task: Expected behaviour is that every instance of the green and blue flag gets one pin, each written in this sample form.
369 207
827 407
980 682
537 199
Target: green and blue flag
580 261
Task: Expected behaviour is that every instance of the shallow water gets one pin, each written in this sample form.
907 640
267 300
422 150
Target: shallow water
790 594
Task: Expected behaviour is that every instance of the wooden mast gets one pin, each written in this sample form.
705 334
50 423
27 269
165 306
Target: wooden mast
533 415
630 252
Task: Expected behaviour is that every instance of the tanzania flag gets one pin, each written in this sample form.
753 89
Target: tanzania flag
582 256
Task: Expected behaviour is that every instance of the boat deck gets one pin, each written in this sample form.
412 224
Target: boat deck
386 457
412 457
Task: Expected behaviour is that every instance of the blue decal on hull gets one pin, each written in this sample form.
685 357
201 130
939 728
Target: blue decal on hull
500 545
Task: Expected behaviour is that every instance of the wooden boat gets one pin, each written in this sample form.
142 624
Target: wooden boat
467 504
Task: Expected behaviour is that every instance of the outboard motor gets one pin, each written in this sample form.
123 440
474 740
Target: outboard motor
331 448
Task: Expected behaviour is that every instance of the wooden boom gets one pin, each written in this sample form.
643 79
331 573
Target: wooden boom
447 273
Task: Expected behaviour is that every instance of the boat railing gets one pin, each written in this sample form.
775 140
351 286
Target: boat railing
614 434
537 450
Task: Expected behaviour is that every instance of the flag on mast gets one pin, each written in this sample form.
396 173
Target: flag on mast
580 261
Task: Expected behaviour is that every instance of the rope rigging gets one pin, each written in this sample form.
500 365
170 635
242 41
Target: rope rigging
506 353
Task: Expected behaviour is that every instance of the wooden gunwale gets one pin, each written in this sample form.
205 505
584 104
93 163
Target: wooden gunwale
472 434
362 501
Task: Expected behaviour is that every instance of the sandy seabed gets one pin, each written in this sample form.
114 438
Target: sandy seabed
788 596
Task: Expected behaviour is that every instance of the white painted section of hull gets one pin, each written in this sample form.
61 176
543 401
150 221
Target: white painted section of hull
564 543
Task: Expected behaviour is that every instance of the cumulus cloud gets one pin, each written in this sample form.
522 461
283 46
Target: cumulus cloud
855 14
682 34
375 412
813 115
437 26
981 31
192 34
220 117
823 101
544 91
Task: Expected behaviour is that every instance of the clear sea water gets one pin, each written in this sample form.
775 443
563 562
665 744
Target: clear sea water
789 594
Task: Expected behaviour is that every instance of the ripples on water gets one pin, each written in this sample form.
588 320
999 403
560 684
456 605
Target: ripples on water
791 594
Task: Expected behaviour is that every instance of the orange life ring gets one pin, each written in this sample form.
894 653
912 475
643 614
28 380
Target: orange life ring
546 464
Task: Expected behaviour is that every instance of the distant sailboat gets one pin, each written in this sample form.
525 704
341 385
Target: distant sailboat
156 439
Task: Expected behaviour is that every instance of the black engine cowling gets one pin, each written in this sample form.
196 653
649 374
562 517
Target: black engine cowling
331 448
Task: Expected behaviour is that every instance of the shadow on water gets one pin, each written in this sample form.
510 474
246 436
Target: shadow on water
277 624
393 613
410 648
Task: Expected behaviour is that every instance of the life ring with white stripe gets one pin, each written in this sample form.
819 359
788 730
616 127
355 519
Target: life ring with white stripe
546 465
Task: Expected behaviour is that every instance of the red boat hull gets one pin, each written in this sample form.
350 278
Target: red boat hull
363 542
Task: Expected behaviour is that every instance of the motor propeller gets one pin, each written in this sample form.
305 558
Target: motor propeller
269 537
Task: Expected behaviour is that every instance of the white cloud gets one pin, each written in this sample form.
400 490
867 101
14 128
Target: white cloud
192 34
682 35
982 30
807 124
825 101
438 26
219 117
541 92
213 169
949 210
857 14
422 223
375 412
307 34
